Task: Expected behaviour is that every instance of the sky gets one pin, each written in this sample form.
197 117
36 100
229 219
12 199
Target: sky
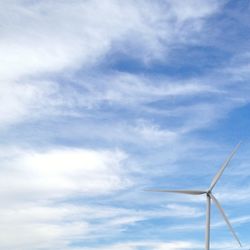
100 100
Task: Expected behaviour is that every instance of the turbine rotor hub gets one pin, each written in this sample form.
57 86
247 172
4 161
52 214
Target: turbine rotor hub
208 193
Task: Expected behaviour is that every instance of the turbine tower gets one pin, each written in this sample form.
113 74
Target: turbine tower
209 197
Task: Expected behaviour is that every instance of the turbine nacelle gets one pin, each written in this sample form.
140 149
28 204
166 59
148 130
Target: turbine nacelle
210 197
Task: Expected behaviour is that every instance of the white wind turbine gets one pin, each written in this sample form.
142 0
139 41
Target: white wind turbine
210 197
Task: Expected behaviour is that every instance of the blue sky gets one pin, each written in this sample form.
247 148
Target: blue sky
103 99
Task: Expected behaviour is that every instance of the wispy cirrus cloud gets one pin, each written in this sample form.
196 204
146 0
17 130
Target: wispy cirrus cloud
62 36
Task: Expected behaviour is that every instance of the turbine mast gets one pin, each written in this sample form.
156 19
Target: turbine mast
207 235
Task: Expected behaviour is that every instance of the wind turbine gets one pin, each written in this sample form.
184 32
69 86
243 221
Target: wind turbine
210 197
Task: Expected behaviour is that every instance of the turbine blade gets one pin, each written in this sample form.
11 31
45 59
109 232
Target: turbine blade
224 165
225 218
192 192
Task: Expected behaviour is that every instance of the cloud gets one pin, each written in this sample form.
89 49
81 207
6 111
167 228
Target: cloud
132 90
55 36
160 245
23 101
186 10
62 172
36 226
37 188
177 245
33 185
39 223
44 38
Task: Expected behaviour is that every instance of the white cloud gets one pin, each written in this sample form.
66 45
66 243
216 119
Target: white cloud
23 101
48 37
33 184
186 10
47 225
62 172
148 245
135 90
36 226
161 245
